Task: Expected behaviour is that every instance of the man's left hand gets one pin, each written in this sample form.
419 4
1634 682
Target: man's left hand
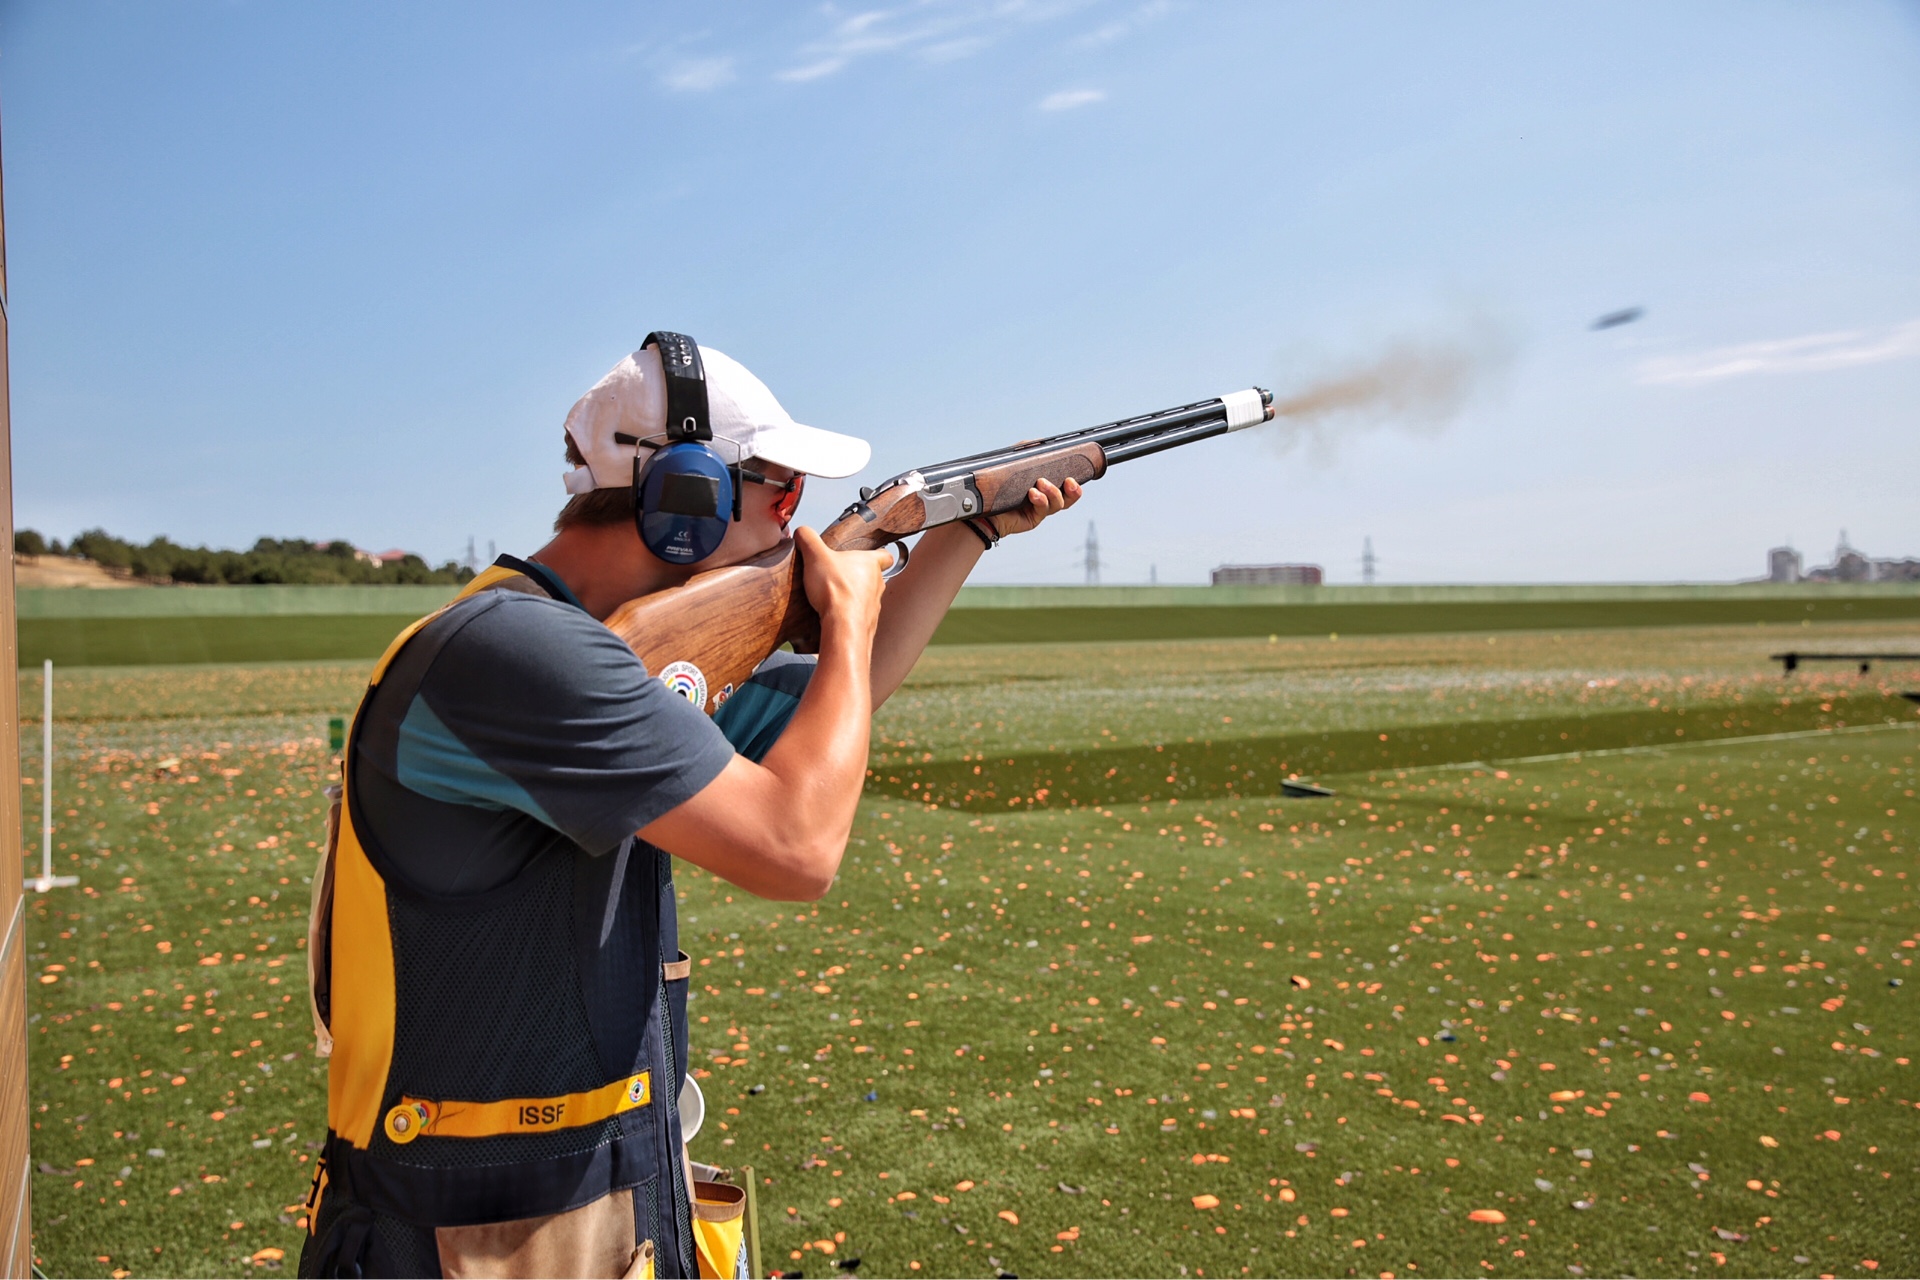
1043 500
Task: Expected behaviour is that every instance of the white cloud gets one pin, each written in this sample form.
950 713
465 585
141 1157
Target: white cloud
954 50
1811 353
1068 99
699 75
1121 28
932 30
813 70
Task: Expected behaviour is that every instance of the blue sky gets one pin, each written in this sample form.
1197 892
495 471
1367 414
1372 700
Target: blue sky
339 271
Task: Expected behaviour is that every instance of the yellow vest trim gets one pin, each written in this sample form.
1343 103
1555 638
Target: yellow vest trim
415 1116
362 994
362 989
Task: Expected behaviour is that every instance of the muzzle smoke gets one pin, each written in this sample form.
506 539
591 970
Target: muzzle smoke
1417 383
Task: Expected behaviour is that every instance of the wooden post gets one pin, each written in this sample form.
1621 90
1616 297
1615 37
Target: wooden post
16 1235
750 1182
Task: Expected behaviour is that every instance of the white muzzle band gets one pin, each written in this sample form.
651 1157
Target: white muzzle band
1244 409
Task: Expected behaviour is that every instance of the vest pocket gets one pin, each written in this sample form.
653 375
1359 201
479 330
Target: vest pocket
595 1240
719 1227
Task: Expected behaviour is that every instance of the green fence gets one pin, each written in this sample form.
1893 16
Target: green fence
141 625
135 626
1353 611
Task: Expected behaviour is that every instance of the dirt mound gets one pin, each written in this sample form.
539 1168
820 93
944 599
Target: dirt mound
69 571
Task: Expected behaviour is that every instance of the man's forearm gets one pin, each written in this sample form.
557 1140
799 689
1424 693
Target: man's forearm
821 757
917 600
779 828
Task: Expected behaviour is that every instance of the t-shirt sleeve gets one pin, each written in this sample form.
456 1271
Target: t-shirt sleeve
532 705
757 714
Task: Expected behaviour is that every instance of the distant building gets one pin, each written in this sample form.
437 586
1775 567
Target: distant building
378 558
1897 570
1268 575
1850 564
1855 567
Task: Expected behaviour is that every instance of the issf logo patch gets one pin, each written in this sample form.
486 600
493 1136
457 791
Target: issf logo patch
686 680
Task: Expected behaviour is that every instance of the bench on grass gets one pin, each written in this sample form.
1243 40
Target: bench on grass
1791 661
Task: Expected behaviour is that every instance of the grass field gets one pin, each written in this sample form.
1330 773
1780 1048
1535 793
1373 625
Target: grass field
1604 933
139 626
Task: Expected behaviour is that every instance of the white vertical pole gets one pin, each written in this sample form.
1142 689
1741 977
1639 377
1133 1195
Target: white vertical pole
47 879
46 771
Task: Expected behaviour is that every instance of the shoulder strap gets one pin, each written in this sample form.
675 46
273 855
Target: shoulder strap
492 576
320 908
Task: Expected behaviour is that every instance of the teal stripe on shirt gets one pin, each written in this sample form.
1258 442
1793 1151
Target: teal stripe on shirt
434 763
753 719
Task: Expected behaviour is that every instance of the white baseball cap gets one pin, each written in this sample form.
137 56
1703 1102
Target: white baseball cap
747 423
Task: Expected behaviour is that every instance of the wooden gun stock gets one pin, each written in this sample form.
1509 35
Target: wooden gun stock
706 636
712 630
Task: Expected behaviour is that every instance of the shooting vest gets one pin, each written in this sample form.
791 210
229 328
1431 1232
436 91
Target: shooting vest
503 1055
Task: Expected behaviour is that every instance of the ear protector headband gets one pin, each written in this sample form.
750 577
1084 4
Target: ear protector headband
684 495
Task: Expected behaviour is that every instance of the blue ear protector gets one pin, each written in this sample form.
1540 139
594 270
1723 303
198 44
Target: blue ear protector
684 495
685 502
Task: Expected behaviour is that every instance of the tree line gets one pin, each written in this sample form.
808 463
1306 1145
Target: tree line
270 560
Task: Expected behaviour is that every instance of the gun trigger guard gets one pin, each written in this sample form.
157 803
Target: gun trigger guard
899 564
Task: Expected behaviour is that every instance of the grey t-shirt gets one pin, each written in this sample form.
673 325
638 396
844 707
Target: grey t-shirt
515 722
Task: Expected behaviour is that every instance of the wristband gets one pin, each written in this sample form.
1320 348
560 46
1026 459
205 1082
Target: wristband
988 535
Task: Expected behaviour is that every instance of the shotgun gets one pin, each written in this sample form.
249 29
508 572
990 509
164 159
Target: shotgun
706 636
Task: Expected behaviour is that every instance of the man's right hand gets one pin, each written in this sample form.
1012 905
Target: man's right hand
779 828
844 587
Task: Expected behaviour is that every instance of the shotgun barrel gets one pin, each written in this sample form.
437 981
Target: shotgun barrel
1232 412
714 629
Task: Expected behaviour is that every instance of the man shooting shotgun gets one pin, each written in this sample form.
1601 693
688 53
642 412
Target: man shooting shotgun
494 952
